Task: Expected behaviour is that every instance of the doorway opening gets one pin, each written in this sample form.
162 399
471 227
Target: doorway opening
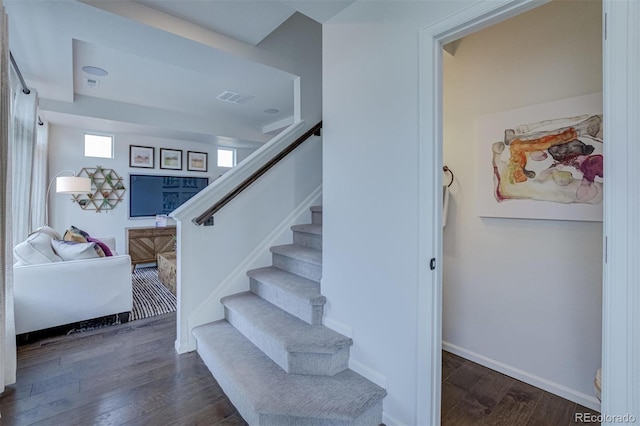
433 38
510 285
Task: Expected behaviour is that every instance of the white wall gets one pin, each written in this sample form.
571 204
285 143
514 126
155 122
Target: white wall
370 187
297 45
66 152
213 260
526 294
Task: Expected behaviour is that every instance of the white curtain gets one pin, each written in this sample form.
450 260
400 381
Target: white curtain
23 143
40 176
7 322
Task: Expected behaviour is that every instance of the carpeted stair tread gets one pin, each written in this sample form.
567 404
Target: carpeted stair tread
308 228
297 295
300 287
317 209
297 252
263 393
293 334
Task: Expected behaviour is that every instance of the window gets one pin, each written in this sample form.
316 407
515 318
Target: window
98 146
226 157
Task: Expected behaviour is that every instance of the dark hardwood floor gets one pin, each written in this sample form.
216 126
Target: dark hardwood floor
475 395
124 374
130 374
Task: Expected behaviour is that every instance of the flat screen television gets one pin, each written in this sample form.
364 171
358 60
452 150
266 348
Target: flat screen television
150 195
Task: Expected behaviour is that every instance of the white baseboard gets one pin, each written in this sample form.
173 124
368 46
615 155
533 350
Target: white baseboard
338 327
589 401
180 348
369 373
389 420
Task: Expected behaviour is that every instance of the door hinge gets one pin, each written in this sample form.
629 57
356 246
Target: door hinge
432 263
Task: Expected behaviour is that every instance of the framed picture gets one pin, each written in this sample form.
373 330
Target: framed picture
196 161
171 159
141 156
543 161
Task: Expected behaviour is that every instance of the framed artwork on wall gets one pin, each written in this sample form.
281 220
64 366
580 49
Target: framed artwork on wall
171 159
196 161
141 156
543 161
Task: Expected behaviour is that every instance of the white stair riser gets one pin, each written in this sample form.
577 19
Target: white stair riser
307 240
316 218
311 314
298 267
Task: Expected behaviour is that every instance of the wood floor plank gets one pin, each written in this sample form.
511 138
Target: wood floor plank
581 411
450 363
127 373
112 397
234 420
210 400
516 407
478 404
451 397
222 412
122 407
467 375
552 410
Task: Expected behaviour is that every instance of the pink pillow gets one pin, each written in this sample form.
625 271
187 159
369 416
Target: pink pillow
105 248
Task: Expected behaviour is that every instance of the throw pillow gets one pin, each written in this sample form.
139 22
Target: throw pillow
73 235
72 250
35 250
105 248
49 231
79 231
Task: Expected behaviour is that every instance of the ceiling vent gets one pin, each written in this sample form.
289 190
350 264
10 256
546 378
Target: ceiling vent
233 97
92 82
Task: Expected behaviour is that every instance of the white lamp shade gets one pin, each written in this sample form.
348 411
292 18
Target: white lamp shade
73 185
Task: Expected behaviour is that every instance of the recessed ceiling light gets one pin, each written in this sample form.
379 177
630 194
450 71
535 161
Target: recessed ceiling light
94 70
271 111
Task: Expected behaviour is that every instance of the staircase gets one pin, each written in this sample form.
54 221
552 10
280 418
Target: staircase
273 357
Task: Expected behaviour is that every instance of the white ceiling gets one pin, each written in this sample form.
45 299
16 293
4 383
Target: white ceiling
158 81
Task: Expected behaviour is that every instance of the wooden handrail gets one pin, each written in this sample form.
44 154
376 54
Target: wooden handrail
207 216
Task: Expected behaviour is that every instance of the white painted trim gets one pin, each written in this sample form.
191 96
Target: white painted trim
429 291
180 348
589 401
369 373
360 368
338 327
297 100
389 420
621 287
237 280
277 125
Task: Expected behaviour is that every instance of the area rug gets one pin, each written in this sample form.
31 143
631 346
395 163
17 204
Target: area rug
150 296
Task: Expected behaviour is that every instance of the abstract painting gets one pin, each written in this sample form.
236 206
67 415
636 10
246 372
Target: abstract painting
543 161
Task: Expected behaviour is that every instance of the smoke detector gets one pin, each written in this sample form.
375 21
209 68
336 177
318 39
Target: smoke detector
233 97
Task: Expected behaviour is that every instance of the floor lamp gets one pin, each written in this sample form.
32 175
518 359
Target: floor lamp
66 185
